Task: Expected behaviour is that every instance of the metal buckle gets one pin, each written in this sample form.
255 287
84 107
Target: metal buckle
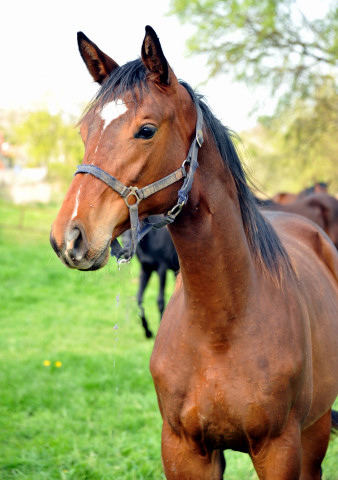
199 137
122 261
186 162
133 191
176 209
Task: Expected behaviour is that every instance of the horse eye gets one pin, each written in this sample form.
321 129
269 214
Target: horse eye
146 132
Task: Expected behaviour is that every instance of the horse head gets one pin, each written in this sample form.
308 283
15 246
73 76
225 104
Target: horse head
137 130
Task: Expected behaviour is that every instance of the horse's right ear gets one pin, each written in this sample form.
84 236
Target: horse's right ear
98 63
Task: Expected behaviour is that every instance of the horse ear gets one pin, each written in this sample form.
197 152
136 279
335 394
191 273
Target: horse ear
154 59
98 63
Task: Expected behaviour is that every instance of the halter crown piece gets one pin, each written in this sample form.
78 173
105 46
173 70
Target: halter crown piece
125 254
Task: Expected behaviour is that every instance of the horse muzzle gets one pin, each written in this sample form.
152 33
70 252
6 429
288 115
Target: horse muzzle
75 252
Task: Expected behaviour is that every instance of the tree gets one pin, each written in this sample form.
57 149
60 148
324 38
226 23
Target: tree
273 43
50 141
292 150
264 42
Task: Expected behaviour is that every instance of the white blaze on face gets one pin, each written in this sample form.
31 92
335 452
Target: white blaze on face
76 204
111 111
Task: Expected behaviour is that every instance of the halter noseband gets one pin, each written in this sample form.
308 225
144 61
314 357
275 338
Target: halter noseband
125 254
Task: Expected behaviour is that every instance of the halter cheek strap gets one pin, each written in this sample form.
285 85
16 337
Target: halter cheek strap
138 194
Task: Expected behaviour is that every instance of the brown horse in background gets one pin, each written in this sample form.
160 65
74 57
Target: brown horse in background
246 356
321 208
285 198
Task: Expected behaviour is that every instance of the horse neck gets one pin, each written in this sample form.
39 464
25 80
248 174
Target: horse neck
215 259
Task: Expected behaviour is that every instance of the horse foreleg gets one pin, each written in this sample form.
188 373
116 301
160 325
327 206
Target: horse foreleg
184 459
278 458
144 279
315 440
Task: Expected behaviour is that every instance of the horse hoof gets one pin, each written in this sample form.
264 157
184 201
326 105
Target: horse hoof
149 334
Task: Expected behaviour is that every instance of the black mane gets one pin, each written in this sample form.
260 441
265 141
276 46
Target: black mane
262 238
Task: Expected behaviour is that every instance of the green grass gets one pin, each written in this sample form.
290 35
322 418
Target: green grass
96 416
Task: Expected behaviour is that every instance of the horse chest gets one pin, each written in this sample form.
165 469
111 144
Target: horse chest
206 403
222 397
222 391
211 412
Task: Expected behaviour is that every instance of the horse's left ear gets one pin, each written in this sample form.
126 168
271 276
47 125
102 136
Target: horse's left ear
154 59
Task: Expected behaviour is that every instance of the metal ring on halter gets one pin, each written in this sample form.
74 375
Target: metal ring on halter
133 191
176 209
199 137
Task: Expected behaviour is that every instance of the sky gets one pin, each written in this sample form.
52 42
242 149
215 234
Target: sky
41 66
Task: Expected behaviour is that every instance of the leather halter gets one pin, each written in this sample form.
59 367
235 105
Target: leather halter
125 254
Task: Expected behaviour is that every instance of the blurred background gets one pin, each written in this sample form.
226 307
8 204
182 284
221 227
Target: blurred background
77 400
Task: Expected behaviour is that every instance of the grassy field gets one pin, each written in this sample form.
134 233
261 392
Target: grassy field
76 397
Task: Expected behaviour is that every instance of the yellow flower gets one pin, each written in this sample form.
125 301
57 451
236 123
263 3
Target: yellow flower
58 364
46 363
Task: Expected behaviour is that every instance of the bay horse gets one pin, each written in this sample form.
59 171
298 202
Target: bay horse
156 253
321 208
246 355
285 198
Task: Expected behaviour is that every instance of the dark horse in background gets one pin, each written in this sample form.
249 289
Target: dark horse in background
246 355
156 253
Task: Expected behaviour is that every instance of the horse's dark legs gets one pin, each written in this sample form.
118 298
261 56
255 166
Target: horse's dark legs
334 423
315 440
144 279
162 273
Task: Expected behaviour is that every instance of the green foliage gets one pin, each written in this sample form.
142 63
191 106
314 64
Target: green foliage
291 151
50 141
95 416
266 41
273 43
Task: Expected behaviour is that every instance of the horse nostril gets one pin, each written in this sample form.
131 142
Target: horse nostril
76 244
